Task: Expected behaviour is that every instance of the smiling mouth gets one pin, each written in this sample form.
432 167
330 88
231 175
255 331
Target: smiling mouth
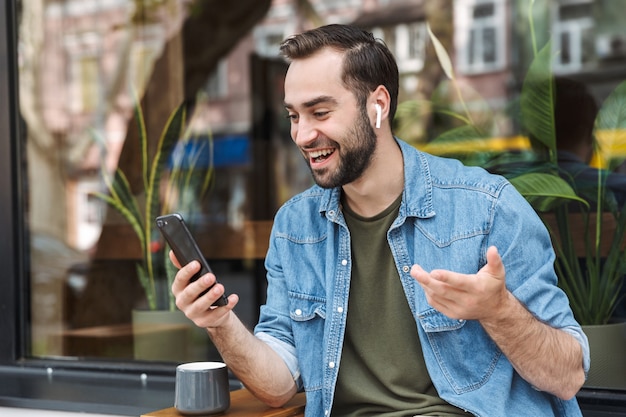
321 155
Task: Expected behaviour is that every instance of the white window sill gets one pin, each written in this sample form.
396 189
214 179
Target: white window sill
29 412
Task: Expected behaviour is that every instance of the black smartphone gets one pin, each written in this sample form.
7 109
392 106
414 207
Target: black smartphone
177 234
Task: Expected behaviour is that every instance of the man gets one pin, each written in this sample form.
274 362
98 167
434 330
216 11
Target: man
575 112
402 284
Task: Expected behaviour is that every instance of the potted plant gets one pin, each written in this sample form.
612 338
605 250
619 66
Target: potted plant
169 177
593 279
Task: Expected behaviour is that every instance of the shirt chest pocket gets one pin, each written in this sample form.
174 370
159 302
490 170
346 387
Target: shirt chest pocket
465 353
304 308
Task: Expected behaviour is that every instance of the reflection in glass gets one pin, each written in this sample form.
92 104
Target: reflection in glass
489 45
83 62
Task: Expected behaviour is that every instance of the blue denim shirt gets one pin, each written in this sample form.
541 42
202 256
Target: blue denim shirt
450 214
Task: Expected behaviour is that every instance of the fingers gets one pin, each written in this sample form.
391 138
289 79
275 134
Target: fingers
188 292
173 259
213 316
467 296
494 267
440 285
438 278
184 274
199 308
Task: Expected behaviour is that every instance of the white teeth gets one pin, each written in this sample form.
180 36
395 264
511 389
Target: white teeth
317 154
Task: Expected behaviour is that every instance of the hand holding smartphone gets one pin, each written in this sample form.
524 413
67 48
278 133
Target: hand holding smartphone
177 234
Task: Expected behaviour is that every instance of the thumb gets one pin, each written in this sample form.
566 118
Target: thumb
494 265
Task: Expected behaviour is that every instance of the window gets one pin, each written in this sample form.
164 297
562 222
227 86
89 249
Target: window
267 41
88 81
145 50
480 35
70 291
574 41
407 42
60 328
83 51
217 85
409 48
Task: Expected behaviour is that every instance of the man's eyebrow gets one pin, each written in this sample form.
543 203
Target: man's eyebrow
314 102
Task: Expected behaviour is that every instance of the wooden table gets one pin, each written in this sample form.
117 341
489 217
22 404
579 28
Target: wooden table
244 404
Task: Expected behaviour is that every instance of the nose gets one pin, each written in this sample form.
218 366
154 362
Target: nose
303 132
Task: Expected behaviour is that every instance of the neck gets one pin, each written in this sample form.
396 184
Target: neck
380 184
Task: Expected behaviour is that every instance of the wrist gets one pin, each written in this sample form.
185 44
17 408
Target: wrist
504 311
222 324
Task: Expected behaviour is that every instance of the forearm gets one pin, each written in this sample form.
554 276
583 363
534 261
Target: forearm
256 365
548 358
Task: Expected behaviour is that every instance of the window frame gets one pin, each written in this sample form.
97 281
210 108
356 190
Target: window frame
575 29
12 291
401 44
464 22
263 44
156 389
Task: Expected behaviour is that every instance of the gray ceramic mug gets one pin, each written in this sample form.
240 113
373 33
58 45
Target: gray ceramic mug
202 388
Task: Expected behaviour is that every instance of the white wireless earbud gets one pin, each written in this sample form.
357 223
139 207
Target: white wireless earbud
379 113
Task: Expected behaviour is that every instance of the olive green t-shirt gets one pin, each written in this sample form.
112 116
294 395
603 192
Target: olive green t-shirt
382 370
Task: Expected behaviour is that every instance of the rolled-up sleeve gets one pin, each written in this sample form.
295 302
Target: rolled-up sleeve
286 352
581 337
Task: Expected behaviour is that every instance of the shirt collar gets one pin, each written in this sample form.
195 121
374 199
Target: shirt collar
416 195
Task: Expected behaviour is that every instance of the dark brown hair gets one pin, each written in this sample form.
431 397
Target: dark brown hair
367 63
575 111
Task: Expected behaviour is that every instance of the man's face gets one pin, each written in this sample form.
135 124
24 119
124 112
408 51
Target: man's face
333 133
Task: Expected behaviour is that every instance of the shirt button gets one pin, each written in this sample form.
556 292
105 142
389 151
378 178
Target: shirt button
331 364
298 312
339 309
331 213
344 262
406 268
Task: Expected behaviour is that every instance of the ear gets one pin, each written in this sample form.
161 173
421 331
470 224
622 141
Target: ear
379 101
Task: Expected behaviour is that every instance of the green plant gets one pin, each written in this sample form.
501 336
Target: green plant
164 191
592 282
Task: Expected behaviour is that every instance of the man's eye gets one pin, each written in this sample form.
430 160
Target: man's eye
292 117
319 114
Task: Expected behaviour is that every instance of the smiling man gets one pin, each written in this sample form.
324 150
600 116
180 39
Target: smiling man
401 284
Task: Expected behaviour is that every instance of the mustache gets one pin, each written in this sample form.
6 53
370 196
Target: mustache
320 143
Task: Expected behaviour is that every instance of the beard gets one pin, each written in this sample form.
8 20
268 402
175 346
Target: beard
355 155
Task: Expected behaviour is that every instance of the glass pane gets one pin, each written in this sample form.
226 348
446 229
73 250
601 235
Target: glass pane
87 67
100 283
575 11
484 10
566 47
489 45
471 50
416 41
588 45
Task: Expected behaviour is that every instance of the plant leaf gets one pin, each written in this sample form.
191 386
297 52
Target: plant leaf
610 127
143 139
130 216
172 131
537 101
455 140
545 191
442 55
